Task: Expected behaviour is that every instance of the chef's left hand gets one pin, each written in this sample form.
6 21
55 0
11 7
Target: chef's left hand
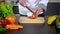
38 10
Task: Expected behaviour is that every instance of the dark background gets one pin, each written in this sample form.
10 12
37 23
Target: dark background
53 9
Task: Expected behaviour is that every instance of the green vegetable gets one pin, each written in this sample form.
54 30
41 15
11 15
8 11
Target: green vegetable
6 10
58 22
2 29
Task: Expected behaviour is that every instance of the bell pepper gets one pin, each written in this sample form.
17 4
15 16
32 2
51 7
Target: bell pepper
11 19
58 23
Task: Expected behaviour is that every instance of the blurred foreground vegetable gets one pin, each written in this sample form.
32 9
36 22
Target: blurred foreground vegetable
6 13
51 19
3 22
12 24
58 23
11 19
2 29
6 9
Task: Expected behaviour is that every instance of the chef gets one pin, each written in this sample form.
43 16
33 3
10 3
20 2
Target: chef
37 6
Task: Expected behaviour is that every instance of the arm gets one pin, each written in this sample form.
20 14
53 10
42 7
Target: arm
43 4
22 2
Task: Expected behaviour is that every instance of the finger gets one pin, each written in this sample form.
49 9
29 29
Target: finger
20 1
24 3
37 12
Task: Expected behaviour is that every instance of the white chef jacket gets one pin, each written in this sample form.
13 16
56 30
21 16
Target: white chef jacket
32 4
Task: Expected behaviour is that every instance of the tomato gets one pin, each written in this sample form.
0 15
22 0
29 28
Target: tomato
33 16
11 19
4 23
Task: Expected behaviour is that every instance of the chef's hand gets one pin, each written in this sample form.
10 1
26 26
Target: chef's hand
22 2
38 10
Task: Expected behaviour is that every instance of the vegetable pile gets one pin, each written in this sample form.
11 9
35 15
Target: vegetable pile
5 10
7 18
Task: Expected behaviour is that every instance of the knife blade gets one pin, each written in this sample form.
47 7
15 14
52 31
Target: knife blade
29 9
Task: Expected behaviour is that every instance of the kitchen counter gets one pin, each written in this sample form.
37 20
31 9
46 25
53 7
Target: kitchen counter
33 29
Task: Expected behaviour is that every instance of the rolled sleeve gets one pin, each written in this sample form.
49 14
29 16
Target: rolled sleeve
43 4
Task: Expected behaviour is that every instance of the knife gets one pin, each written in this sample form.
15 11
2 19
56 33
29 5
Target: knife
29 9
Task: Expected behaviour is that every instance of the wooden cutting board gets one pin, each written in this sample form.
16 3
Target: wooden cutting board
27 20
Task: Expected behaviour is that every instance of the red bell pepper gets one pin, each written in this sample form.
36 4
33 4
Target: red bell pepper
4 22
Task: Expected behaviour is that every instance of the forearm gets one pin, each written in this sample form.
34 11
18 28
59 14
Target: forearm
43 4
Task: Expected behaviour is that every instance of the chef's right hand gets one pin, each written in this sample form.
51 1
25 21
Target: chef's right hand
22 2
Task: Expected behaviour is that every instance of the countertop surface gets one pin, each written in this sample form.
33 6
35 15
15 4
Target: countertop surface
33 29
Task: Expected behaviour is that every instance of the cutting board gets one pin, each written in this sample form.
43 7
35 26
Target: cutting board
27 20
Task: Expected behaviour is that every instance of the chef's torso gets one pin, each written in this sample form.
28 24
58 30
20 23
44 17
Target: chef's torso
32 4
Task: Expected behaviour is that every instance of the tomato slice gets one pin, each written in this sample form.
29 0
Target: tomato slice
33 16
